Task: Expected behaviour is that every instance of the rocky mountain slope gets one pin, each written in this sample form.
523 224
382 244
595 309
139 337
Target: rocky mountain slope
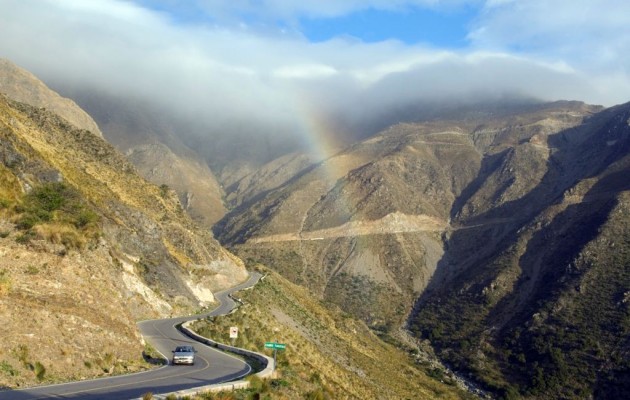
372 217
198 190
24 87
88 246
470 221
152 141
535 291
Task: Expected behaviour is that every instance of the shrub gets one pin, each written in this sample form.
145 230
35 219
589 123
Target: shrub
8 369
22 354
49 197
85 218
27 221
258 385
40 371
25 237
58 213
317 394
164 189
31 270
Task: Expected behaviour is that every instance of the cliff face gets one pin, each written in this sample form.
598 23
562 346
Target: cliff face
533 292
89 246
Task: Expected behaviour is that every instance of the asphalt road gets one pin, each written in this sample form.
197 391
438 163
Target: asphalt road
211 366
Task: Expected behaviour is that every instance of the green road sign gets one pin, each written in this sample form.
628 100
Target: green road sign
274 345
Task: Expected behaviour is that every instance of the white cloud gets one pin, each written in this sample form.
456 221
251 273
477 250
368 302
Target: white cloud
229 77
305 71
591 35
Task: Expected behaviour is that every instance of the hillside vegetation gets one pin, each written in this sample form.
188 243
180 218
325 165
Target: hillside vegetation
88 246
329 353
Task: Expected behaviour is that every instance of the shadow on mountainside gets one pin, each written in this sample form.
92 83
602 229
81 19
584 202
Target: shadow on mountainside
231 238
581 153
454 312
547 262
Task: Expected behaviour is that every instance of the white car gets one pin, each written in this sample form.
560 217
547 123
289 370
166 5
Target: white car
184 355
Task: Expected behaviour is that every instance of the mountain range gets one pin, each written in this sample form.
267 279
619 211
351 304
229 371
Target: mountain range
89 247
496 236
500 236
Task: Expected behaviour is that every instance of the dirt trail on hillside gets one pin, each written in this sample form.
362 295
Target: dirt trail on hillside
391 223
402 223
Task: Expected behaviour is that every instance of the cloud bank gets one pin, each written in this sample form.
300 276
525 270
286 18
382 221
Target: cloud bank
235 75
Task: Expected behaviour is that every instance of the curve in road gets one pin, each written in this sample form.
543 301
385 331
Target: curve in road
211 365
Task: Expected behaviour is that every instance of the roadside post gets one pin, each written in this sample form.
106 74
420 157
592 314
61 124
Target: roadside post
233 334
275 346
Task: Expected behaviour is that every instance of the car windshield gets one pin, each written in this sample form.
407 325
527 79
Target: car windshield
183 349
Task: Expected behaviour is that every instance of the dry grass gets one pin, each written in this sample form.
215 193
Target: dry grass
62 234
327 351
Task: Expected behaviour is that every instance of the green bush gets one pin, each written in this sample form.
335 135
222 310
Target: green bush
31 270
59 206
256 384
22 353
8 369
27 221
50 197
85 218
40 371
164 189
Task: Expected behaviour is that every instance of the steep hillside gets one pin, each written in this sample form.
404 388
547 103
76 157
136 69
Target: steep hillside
487 225
152 139
197 189
548 301
20 85
88 246
329 353
367 223
245 186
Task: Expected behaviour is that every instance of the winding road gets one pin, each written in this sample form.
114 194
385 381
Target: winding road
211 365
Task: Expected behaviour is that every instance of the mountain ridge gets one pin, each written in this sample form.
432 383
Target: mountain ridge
23 86
483 186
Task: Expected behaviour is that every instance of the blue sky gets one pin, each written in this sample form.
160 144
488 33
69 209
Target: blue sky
223 60
421 22
443 29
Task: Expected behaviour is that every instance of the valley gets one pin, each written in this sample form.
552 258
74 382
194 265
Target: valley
494 241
